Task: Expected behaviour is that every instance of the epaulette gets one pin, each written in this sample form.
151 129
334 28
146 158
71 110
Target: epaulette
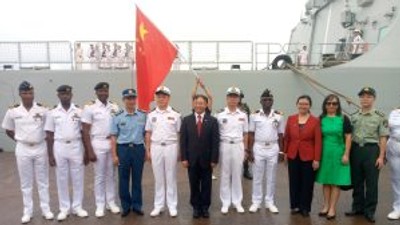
278 112
153 109
14 106
119 112
77 106
381 114
91 102
175 110
41 105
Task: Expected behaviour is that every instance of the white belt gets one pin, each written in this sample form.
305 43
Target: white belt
31 144
68 141
267 143
164 143
232 141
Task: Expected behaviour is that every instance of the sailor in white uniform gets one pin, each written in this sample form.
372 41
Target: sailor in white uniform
24 123
233 125
266 141
63 128
96 126
162 132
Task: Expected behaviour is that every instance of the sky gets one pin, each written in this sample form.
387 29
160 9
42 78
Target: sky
97 20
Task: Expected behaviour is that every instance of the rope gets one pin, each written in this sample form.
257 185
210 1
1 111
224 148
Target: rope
314 82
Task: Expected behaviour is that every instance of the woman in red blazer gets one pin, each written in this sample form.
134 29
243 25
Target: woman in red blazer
302 148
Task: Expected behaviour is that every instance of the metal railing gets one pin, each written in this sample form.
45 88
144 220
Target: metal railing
198 55
36 55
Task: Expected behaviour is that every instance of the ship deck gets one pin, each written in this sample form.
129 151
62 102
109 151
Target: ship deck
11 203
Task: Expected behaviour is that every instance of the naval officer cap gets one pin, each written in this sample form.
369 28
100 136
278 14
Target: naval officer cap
367 90
129 93
234 91
101 85
163 90
64 88
25 86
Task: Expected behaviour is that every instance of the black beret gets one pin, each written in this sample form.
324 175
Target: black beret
101 85
64 88
25 86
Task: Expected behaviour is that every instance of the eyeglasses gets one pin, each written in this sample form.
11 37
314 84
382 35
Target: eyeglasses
332 103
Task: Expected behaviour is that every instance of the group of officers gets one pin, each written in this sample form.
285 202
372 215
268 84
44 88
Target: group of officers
105 135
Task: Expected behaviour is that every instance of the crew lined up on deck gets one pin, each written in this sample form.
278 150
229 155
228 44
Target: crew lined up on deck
315 149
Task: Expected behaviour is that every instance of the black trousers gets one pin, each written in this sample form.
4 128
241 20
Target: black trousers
200 179
301 184
364 175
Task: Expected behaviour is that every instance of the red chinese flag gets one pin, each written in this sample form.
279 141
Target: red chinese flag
154 57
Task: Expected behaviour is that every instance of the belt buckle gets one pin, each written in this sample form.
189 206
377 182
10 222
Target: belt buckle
68 142
267 143
130 145
31 144
163 144
231 142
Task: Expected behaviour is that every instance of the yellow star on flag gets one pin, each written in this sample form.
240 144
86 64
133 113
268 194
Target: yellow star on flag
142 31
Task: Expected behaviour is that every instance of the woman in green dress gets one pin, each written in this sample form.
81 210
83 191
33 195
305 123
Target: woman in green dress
336 142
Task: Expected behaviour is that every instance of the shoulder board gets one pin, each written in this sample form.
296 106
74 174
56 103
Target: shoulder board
41 105
153 109
14 106
119 112
380 113
114 103
278 112
257 111
221 110
77 106
175 110
90 102
55 106
141 110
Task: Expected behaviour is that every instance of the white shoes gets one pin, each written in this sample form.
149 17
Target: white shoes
62 216
173 213
48 215
224 210
272 208
239 209
99 213
81 213
156 212
25 219
254 208
394 215
113 208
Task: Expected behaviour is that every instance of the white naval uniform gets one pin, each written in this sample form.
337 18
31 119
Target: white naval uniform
78 58
232 127
99 117
31 152
68 152
164 126
358 43
393 156
266 153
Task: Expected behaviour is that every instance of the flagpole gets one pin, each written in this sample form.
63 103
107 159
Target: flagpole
184 60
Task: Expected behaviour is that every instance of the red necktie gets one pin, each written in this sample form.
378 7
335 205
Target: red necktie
199 125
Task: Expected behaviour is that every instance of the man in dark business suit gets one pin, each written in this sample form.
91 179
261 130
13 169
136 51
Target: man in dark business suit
199 144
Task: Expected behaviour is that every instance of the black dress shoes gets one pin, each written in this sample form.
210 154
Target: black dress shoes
206 214
353 213
196 214
125 213
305 213
370 218
138 212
